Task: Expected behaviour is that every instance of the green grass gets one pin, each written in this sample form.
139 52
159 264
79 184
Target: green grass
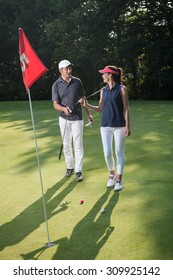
137 224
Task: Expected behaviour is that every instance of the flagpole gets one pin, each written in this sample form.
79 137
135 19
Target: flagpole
49 244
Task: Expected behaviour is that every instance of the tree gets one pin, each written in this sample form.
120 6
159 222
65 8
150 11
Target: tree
135 35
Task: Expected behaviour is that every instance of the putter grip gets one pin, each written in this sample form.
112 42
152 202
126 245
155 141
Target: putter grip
60 151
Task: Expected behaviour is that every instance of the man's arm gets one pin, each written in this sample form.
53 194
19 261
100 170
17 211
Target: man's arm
84 103
87 111
124 95
60 108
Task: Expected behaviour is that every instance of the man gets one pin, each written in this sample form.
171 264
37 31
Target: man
66 92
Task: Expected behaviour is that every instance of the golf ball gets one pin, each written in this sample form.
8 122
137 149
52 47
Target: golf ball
82 201
102 210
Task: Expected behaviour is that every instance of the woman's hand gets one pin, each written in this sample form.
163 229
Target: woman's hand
83 102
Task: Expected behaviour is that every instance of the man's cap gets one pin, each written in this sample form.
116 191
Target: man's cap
64 63
108 70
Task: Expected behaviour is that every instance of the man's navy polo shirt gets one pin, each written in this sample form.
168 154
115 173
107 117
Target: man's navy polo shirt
67 95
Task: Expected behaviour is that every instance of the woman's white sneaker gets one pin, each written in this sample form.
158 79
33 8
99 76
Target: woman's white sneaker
111 181
118 185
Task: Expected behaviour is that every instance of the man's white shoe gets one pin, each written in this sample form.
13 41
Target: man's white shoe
118 186
111 181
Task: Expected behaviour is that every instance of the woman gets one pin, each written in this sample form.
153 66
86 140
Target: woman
115 122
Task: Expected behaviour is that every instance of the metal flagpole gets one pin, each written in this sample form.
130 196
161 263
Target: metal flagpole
49 244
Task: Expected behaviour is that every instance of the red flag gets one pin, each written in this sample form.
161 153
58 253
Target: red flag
32 67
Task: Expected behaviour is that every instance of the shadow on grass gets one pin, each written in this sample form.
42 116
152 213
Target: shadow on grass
88 236
33 216
148 148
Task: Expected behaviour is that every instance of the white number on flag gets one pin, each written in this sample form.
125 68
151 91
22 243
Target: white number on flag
24 60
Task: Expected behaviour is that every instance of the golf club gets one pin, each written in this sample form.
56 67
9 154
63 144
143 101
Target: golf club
90 95
94 93
129 75
61 147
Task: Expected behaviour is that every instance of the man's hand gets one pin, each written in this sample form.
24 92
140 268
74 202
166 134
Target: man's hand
67 111
127 131
90 119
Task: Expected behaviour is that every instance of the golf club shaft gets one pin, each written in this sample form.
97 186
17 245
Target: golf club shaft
61 147
60 151
94 93
89 95
130 75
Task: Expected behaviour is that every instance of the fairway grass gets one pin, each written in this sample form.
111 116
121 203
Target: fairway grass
137 223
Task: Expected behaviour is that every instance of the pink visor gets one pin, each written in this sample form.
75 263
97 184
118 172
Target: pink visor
108 70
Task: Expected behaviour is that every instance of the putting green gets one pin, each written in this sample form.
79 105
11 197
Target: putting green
137 222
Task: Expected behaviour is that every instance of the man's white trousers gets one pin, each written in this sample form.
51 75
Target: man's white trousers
73 135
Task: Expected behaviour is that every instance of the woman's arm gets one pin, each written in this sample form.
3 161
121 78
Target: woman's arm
84 103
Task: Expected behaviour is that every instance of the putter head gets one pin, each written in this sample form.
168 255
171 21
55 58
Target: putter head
130 75
88 123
